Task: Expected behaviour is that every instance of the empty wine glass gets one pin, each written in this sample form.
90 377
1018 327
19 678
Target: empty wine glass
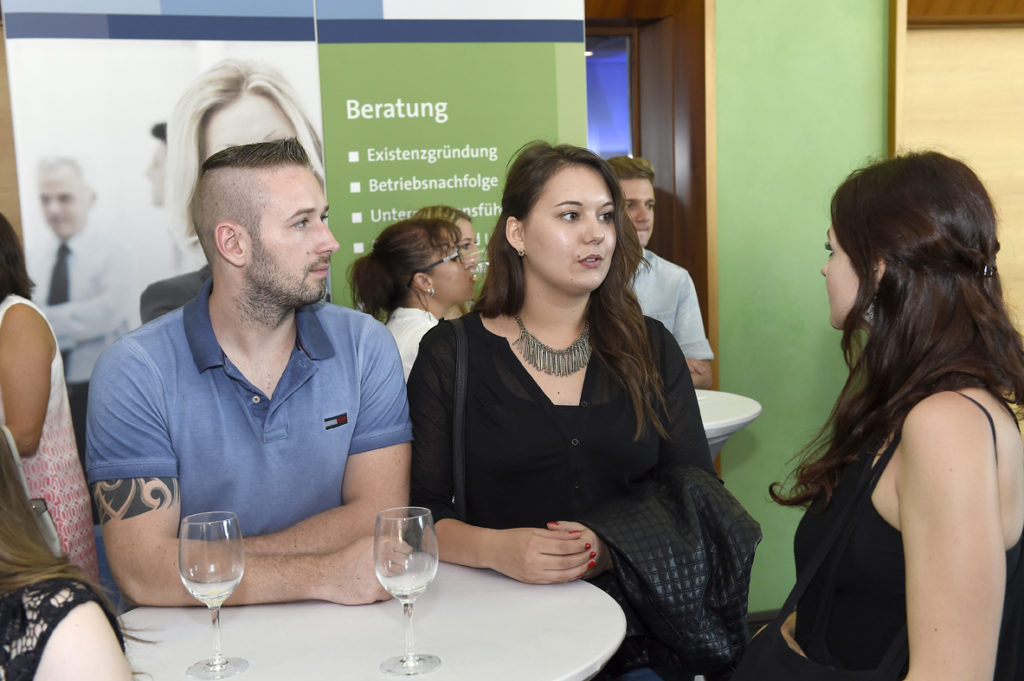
211 560
405 558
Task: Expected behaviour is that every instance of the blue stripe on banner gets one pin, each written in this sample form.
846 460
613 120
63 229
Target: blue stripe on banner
75 6
349 9
448 31
239 8
33 25
127 26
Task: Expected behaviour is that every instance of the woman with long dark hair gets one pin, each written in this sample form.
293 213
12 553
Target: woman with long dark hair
916 482
572 395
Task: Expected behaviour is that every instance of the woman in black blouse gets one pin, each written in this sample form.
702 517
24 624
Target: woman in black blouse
551 433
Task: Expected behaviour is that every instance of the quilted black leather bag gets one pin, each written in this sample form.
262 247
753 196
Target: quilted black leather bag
682 547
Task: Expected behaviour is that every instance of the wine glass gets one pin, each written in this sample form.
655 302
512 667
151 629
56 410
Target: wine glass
405 558
211 560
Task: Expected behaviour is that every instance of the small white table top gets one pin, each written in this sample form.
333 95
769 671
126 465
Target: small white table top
725 413
481 624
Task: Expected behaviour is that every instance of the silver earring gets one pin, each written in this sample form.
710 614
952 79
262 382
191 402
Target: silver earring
430 292
521 252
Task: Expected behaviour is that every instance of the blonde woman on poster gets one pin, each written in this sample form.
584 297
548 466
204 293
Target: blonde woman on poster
235 102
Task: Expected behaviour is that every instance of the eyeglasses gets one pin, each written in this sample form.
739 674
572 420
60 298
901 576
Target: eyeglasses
472 258
468 256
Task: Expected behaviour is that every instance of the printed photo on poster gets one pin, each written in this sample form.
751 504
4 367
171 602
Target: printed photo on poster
109 137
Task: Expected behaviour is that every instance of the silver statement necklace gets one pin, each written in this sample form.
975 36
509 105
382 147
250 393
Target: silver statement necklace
547 359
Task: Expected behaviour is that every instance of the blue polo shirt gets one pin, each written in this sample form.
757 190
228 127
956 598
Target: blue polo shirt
164 401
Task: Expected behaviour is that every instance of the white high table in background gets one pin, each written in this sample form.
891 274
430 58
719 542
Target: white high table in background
723 414
483 626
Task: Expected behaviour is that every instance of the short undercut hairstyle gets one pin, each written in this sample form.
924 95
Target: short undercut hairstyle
632 168
221 194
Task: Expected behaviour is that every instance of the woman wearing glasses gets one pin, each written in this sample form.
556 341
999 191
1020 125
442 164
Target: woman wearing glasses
464 222
416 270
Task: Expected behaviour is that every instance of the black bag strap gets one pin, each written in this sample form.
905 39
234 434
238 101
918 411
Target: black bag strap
895 656
842 529
991 423
459 418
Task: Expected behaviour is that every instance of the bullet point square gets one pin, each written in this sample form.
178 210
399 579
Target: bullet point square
355 187
353 157
357 218
358 247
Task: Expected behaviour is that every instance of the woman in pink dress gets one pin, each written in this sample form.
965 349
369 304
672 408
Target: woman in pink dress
34 407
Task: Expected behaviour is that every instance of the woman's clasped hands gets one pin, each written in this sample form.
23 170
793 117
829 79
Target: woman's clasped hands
563 551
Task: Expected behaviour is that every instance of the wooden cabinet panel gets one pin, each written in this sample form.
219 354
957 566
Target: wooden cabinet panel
963 94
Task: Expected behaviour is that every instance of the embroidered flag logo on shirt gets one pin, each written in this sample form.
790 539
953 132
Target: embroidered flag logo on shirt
335 421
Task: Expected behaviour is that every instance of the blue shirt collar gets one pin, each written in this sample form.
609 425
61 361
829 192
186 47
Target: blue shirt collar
206 352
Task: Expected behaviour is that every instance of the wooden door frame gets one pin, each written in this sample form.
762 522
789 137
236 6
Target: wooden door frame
675 96
9 203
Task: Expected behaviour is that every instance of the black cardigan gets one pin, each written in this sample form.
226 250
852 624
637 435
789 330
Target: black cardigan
529 461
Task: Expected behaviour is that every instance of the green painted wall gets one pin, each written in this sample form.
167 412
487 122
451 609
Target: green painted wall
801 101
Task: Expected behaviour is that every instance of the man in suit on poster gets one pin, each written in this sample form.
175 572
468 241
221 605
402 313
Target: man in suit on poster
80 277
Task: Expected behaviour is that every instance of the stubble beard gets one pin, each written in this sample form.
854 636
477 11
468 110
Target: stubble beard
270 295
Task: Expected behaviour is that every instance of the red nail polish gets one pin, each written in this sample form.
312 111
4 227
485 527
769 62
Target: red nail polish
574 531
579 575
586 547
591 564
593 554
552 522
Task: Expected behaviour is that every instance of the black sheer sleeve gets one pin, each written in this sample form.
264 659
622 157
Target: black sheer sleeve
430 387
687 442
30 615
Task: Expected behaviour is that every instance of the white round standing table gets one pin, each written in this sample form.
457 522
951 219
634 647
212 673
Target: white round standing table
723 414
483 626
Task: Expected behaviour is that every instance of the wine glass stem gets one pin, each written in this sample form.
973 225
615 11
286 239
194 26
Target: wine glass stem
409 654
218 658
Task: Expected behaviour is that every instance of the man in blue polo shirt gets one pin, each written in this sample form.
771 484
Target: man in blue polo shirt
255 398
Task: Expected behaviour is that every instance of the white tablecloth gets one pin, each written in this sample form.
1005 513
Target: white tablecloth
484 627
723 414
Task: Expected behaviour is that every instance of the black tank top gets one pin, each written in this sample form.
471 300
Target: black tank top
868 598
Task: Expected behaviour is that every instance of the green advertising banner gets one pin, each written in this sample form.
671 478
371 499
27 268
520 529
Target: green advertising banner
408 125
421 103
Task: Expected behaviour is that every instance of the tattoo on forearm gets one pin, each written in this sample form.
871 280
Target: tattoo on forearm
121 499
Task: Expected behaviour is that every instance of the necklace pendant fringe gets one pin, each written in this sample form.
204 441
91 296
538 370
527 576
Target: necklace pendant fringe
549 360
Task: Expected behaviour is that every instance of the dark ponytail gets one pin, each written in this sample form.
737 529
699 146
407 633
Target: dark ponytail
380 279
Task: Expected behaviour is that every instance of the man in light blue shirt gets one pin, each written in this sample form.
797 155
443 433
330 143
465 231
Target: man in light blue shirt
665 290
255 398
